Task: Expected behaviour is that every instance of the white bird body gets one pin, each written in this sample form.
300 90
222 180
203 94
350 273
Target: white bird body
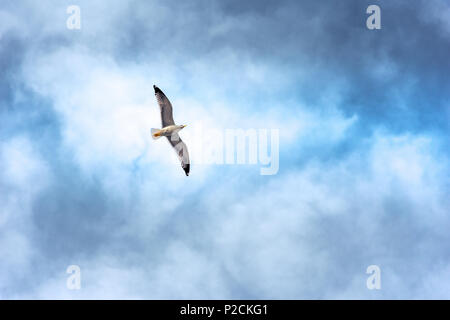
166 131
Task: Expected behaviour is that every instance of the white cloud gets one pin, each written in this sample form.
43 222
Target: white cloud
307 234
273 239
23 174
108 116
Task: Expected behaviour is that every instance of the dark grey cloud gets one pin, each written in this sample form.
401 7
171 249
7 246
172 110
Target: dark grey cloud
395 76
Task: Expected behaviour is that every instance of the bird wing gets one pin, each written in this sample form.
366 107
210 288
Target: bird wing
165 106
181 150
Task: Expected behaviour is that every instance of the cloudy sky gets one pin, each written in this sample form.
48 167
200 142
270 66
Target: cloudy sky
364 124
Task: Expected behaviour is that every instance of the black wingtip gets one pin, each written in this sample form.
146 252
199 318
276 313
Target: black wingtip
186 169
156 89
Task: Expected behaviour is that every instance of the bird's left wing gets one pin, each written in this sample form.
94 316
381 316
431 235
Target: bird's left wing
165 106
181 150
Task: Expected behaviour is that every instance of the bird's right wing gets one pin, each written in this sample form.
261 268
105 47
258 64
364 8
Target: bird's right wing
165 106
181 150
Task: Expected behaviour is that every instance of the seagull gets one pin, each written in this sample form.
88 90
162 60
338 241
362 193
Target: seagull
170 129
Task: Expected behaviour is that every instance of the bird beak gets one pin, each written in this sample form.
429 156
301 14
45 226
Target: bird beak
184 125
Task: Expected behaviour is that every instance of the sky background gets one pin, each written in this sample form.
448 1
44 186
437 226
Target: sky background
364 120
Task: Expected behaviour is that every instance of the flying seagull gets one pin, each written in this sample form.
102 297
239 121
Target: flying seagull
170 129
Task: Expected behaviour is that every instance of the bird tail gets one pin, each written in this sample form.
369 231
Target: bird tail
156 133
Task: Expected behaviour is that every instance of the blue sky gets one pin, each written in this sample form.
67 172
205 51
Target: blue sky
364 167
